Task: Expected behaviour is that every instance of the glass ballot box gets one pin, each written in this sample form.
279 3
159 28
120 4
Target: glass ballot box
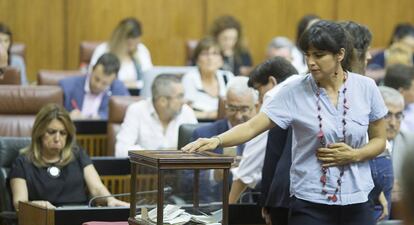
176 175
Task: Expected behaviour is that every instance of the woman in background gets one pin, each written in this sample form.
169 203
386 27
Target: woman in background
204 85
227 31
126 43
16 61
52 171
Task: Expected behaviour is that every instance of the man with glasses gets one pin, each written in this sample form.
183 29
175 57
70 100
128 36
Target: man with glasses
387 165
153 123
401 78
240 105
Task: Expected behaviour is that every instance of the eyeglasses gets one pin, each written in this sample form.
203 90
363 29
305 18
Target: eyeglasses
397 116
208 53
178 97
241 109
52 132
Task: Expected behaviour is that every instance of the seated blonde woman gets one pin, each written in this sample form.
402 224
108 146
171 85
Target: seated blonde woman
52 171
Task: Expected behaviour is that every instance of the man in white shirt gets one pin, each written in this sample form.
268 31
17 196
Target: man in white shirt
152 124
273 72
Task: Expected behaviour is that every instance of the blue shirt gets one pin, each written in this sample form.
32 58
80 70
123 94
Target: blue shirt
295 105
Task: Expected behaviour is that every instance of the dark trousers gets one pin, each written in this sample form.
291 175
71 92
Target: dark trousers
279 215
308 213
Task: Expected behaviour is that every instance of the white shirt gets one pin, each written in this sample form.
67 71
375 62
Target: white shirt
298 61
249 170
272 92
127 70
142 129
194 91
91 102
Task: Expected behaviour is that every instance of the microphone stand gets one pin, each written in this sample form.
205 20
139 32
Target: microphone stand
166 190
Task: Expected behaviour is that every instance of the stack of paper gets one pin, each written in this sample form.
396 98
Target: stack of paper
174 215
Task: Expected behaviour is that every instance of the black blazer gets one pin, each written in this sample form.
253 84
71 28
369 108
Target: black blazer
276 168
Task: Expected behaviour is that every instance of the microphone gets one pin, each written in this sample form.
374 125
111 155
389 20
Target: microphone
167 190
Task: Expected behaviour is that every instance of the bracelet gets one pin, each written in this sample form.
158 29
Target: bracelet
220 140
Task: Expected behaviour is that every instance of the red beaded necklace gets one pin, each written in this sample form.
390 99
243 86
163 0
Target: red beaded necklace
321 137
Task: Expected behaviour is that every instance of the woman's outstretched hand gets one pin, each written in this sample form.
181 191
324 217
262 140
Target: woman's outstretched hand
202 144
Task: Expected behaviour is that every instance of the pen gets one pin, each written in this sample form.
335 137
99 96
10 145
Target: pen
74 104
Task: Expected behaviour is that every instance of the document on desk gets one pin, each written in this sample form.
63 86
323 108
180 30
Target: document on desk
174 215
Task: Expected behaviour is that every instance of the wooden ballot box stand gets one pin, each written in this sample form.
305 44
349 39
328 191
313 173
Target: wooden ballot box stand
31 214
163 160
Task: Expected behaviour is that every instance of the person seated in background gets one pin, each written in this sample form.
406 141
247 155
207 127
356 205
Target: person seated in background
382 166
126 44
241 104
399 141
16 61
227 31
402 41
204 85
401 78
52 170
152 124
280 46
273 72
88 96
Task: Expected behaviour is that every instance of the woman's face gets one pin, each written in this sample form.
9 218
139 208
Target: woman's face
54 139
5 40
321 63
132 44
227 39
210 59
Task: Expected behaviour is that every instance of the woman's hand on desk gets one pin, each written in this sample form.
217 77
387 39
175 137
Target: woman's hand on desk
337 154
113 202
44 204
202 144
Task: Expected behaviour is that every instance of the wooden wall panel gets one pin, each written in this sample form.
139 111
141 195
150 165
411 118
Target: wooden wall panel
166 25
379 15
40 25
265 19
53 29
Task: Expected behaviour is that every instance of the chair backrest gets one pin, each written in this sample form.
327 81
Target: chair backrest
11 76
149 76
185 133
19 49
117 109
20 104
52 77
9 150
86 51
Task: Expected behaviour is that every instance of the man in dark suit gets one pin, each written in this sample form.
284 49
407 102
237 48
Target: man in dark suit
88 96
268 78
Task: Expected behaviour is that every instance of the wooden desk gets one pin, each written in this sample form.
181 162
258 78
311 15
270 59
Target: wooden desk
91 135
163 160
